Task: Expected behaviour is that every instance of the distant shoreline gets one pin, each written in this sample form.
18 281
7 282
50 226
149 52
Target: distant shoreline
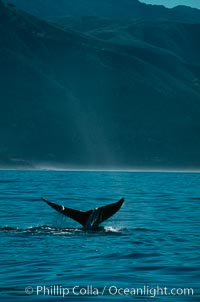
56 169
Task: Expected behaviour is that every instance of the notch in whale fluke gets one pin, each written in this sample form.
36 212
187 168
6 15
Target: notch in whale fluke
90 219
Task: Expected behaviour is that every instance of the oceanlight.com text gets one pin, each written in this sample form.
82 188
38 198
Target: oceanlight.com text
111 290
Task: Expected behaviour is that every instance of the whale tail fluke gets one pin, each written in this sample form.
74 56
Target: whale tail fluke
79 216
89 219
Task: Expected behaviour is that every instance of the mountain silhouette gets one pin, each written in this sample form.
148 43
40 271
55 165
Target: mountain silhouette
112 94
115 9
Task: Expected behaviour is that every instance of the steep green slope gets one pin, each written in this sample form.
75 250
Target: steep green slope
114 9
75 100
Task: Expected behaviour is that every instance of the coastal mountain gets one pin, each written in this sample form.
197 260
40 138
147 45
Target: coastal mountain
115 94
114 9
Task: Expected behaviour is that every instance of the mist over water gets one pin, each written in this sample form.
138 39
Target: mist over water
152 241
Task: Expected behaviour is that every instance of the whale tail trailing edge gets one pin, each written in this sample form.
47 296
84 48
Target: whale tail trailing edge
90 219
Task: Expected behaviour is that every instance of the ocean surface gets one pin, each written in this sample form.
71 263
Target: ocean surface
148 251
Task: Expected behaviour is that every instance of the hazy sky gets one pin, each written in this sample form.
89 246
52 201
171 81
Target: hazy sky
171 3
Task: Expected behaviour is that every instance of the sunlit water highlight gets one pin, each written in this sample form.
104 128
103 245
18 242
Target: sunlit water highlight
152 241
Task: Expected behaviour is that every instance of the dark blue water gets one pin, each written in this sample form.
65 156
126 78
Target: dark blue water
151 243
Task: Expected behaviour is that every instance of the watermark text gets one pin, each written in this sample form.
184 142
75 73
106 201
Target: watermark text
110 290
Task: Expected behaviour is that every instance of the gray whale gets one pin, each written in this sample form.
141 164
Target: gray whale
91 219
